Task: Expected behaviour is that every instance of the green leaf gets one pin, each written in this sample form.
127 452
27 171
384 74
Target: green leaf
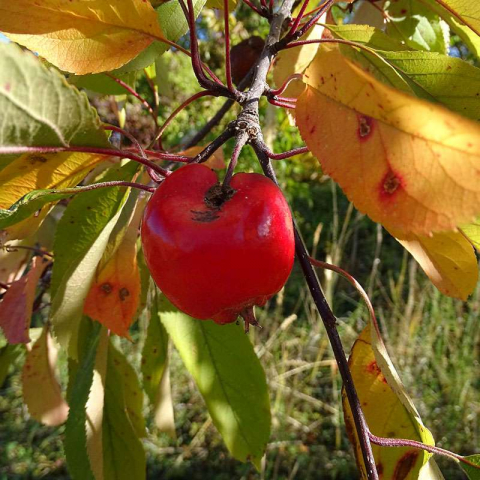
366 35
173 24
81 238
41 107
155 350
33 201
416 25
133 394
230 378
123 454
472 232
470 37
428 75
473 473
8 355
75 433
101 83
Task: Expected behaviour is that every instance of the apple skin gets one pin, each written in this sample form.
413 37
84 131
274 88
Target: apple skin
213 263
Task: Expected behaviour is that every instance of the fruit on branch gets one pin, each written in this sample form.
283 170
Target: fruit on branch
244 55
216 253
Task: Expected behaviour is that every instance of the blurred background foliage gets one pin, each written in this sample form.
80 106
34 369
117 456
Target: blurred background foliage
433 340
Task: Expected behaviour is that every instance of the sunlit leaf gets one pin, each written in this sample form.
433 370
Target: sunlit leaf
41 391
34 172
41 107
82 37
236 397
416 25
80 240
124 457
466 12
408 164
173 24
466 34
449 261
387 408
439 78
17 303
75 443
472 232
34 201
296 60
367 35
114 295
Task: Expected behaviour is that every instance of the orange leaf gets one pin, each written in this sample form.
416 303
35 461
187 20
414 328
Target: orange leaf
216 161
17 303
448 259
82 37
113 298
41 390
411 165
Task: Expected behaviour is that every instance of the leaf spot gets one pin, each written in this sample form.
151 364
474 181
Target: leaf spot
405 465
123 293
106 287
365 127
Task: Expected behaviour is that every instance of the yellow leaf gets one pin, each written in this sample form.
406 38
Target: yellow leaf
216 161
113 298
41 391
16 305
82 36
387 408
467 11
35 172
449 261
472 232
296 60
411 165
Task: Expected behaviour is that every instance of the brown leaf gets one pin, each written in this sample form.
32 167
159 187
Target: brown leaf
17 304
41 391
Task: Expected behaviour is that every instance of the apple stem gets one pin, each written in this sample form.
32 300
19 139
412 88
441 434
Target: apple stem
241 140
248 315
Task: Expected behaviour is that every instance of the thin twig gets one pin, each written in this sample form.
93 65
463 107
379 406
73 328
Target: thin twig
100 151
187 102
405 442
228 63
130 90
